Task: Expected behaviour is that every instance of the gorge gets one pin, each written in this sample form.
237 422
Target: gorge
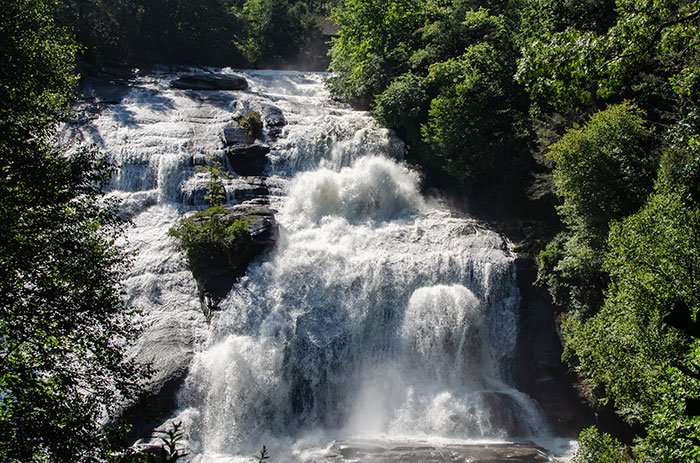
382 326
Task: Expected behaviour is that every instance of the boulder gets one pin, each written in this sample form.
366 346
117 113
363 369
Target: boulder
217 274
245 190
235 135
210 82
249 159
274 120
239 189
168 346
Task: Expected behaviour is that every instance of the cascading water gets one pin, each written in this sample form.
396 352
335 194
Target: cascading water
378 313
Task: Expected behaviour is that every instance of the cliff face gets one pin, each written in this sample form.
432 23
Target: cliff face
540 371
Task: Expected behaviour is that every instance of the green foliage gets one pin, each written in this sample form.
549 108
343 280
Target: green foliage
570 268
441 74
277 29
405 100
211 32
627 276
599 447
649 42
631 347
63 324
603 170
170 439
208 237
375 40
252 123
216 193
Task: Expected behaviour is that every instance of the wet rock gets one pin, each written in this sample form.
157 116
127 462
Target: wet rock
103 90
419 452
168 346
274 120
248 160
235 135
539 369
210 82
199 160
218 273
238 190
245 191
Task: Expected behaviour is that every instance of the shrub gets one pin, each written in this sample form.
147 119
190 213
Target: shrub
252 123
598 447
209 239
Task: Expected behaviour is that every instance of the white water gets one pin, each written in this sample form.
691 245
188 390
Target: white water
379 314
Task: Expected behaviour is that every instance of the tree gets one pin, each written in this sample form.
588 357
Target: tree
375 41
602 172
477 123
277 30
634 351
440 73
649 53
63 324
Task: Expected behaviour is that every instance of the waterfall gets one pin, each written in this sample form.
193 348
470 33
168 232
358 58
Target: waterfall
379 313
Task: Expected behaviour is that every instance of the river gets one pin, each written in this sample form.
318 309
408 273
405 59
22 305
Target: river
381 320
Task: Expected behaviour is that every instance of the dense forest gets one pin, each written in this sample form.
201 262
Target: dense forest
587 108
237 33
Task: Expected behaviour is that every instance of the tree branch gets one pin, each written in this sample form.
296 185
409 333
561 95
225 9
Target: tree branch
654 37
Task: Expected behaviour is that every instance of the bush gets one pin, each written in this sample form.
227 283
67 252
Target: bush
210 239
598 447
252 123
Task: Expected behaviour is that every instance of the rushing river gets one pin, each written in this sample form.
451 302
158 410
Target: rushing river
379 315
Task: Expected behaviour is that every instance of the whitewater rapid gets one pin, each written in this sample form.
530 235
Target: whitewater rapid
379 314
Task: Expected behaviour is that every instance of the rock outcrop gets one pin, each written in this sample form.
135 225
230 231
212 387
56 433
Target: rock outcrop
245 155
420 452
167 345
210 82
274 121
218 273
540 372
248 160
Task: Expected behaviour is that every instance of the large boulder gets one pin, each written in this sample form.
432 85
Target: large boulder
274 120
216 270
248 159
168 346
210 82
235 135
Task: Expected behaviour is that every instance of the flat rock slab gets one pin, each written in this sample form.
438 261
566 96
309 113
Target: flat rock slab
103 90
210 82
416 452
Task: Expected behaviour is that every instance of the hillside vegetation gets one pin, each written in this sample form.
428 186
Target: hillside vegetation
237 33
590 107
